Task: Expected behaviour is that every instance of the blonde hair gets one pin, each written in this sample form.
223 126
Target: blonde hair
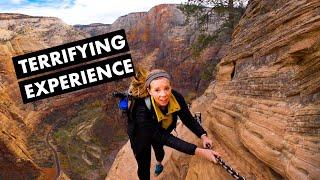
137 86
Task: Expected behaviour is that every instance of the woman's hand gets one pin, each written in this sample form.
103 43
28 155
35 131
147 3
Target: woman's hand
207 153
206 142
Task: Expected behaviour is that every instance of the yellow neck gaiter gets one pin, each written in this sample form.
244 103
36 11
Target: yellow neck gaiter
166 119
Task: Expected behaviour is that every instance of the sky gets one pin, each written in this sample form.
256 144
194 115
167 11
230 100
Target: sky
81 11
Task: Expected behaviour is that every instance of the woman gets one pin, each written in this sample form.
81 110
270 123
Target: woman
153 124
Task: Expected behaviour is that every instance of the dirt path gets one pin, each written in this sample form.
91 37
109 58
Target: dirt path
55 154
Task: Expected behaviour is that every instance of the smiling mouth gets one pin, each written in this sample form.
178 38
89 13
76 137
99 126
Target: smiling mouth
164 101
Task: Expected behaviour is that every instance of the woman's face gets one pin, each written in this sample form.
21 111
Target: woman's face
160 90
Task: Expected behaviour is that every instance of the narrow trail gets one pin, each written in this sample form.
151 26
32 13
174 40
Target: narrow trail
55 154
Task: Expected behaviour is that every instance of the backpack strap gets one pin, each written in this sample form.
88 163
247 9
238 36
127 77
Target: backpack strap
147 100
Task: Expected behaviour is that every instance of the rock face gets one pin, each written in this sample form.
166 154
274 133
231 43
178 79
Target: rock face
129 21
94 29
268 88
263 109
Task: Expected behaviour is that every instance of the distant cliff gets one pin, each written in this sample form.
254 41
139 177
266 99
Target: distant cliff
94 29
262 110
161 38
124 22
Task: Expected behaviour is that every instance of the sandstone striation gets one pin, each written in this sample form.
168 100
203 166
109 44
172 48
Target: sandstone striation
263 108
266 111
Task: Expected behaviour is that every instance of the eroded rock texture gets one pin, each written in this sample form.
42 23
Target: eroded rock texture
268 89
263 110
266 113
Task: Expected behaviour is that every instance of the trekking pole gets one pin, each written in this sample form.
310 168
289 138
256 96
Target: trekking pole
117 94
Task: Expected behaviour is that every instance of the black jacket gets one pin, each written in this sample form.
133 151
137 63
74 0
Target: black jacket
148 130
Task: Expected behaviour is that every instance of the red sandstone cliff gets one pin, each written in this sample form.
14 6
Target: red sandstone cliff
262 110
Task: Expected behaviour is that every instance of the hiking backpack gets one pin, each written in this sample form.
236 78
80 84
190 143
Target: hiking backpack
125 104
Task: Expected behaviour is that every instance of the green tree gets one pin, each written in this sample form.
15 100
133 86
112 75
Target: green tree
206 12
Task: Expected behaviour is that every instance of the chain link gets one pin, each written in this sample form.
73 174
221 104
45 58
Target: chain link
229 169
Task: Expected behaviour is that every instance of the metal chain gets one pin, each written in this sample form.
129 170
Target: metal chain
229 169
197 116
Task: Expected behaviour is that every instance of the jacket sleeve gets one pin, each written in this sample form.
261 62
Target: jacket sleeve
147 131
186 116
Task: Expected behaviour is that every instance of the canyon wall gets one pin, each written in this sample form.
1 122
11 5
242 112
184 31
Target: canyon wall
22 34
263 109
